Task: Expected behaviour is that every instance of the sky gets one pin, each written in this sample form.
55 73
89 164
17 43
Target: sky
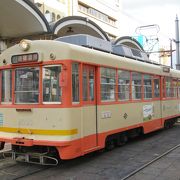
138 13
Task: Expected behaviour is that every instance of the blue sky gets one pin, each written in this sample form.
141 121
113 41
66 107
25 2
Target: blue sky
145 12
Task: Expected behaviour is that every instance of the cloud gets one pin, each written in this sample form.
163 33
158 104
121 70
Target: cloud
148 12
138 4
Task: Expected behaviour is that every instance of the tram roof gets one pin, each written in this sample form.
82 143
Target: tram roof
65 51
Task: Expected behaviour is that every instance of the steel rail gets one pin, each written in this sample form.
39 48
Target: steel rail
150 162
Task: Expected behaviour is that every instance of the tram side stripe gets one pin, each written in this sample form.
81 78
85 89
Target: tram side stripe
39 131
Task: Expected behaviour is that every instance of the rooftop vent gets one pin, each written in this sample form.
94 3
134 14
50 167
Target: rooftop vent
106 46
87 41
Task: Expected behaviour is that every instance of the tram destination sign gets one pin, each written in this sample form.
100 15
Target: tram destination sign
24 58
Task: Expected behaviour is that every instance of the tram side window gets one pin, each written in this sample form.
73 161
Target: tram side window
156 88
179 88
174 88
85 84
88 83
27 85
168 87
147 86
123 85
91 84
51 88
6 88
108 82
75 82
136 86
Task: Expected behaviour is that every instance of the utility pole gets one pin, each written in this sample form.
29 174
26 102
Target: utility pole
177 43
171 53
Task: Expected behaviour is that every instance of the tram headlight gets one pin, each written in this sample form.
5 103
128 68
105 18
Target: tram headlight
24 44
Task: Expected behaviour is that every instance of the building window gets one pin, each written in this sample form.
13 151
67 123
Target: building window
53 17
51 88
123 85
156 87
93 12
75 82
147 86
108 82
6 89
83 8
58 17
136 86
47 12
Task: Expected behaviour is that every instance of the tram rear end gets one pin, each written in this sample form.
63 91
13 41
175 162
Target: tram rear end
32 116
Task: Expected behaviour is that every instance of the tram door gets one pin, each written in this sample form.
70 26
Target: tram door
89 114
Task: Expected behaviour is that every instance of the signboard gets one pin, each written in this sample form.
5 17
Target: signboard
147 112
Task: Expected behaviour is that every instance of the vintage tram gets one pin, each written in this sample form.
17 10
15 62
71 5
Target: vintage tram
59 99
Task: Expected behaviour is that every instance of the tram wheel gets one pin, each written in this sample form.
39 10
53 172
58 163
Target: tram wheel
121 140
110 145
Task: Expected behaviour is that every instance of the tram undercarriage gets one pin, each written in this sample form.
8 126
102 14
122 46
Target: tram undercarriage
43 155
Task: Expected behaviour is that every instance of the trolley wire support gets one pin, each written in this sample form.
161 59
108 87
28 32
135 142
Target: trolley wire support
150 33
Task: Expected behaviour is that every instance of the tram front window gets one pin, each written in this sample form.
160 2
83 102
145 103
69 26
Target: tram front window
6 88
51 87
27 85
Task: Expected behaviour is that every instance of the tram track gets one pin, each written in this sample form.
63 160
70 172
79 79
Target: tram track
12 170
20 170
150 162
32 173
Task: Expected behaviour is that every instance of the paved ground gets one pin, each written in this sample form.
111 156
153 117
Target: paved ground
167 168
115 164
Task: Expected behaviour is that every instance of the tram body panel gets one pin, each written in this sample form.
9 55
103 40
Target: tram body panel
170 108
127 115
66 121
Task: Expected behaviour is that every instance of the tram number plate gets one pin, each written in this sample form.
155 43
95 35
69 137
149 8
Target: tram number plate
106 114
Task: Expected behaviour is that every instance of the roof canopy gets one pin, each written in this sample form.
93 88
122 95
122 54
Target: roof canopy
78 25
19 18
129 41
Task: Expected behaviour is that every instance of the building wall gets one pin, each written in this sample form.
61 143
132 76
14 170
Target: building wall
52 9
105 13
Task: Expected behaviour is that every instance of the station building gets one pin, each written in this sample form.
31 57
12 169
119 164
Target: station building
104 13
29 19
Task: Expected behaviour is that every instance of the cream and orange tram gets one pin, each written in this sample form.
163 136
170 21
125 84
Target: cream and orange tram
63 100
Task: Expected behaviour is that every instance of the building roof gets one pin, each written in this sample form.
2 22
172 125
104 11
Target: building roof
129 41
78 25
19 18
